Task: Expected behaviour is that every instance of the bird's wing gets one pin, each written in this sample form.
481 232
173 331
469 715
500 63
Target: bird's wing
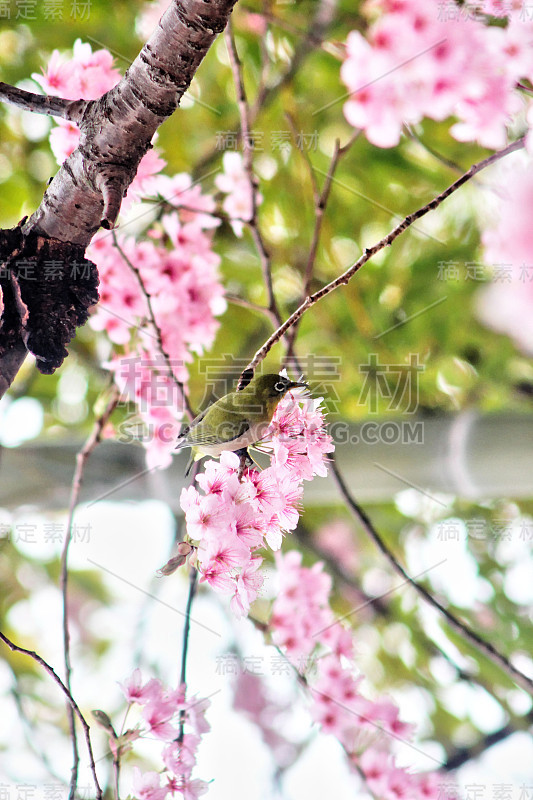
232 428
184 439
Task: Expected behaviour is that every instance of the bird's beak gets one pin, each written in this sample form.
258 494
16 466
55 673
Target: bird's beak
298 384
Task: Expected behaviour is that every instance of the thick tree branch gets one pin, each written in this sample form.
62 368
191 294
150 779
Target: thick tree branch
117 129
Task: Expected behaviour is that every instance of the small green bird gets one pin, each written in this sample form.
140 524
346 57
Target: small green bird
237 420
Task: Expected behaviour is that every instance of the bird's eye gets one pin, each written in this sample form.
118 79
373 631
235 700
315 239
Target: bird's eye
279 386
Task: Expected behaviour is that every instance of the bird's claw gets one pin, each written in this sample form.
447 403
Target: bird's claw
245 461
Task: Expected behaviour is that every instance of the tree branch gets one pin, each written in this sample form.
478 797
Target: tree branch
487 648
43 104
464 754
117 129
81 458
181 388
53 674
248 152
193 582
369 252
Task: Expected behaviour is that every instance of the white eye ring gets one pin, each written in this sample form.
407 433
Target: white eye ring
279 386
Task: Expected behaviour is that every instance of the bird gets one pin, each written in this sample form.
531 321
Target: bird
237 420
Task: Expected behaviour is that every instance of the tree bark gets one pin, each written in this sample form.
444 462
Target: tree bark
115 133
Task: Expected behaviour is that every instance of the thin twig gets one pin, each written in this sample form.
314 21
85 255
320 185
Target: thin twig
319 25
371 251
320 200
15 648
159 335
310 38
247 155
264 74
29 731
241 301
93 439
43 104
462 755
116 773
447 162
193 582
456 624
379 604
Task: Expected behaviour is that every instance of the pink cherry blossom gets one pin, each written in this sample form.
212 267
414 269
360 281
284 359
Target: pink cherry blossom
304 627
134 690
414 62
249 527
235 183
223 554
196 715
85 76
248 584
157 713
147 786
507 305
164 711
208 516
231 520
180 757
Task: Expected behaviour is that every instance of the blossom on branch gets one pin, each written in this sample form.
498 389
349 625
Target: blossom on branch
235 183
306 630
163 712
230 520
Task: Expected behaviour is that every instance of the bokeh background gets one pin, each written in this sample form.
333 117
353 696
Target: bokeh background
438 405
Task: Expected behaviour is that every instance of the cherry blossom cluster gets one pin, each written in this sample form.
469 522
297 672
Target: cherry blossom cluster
414 63
86 76
259 705
179 272
235 183
163 713
507 306
231 517
306 630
